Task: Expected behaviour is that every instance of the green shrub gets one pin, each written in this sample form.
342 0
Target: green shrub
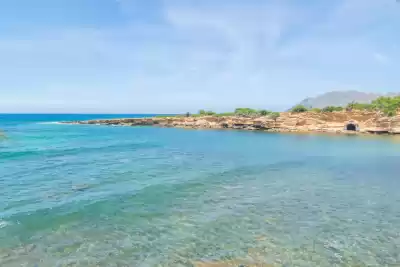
332 109
246 112
299 108
203 112
274 115
390 113
388 105
316 110
360 106
264 112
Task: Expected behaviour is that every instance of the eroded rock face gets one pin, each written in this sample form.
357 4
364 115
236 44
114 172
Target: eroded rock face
395 125
335 122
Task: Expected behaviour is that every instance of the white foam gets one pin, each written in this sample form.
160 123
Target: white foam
3 224
49 122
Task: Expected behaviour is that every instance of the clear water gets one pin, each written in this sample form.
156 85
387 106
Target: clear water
76 195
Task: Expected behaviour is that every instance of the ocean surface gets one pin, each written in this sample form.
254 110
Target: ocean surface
86 195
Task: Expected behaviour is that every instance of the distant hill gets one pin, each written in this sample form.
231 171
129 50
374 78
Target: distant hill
341 98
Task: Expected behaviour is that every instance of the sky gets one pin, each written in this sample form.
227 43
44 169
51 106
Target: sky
172 56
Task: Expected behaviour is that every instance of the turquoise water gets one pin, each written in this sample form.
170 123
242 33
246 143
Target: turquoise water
79 195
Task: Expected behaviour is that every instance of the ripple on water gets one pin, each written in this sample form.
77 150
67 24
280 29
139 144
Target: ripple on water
168 197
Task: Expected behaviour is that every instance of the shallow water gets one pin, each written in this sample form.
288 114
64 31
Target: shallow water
79 195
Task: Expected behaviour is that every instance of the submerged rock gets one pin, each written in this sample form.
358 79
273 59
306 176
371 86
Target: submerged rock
80 187
2 135
231 263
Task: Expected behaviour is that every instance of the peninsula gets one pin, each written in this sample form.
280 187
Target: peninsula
381 116
330 122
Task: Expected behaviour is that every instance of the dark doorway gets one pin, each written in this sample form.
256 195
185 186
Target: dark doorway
351 127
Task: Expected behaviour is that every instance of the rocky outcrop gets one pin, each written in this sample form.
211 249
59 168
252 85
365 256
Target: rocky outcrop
395 125
334 122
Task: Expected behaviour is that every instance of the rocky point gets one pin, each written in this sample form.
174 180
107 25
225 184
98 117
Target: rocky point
332 122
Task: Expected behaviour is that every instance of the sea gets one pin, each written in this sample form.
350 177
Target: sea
91 195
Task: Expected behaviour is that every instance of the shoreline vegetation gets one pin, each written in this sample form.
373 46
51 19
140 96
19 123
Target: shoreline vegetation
381 116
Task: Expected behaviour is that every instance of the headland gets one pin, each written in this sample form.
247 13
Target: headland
349 122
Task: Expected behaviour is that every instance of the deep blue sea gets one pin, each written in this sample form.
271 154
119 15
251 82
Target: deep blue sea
87 195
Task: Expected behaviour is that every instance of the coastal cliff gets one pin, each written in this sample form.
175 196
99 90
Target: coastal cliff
332 122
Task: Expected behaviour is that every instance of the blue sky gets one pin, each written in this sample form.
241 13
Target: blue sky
162 56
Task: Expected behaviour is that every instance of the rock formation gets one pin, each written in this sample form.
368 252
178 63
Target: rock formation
334 122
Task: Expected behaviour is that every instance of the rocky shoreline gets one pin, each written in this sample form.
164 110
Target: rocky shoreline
355 122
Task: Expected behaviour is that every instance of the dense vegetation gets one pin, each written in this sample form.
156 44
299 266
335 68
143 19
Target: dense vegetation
388 106
301 108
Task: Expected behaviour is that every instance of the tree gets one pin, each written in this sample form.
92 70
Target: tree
202 112
299 108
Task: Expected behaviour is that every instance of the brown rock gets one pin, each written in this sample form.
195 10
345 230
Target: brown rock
336 122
